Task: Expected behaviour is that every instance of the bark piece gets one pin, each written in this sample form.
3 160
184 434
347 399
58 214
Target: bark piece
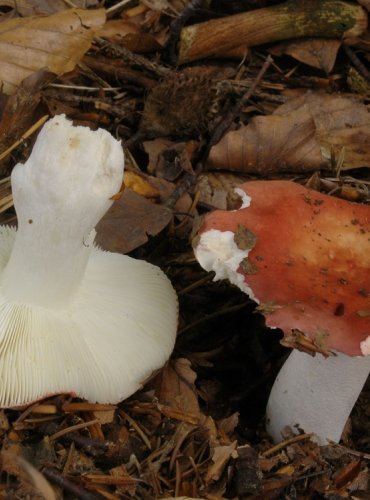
328 18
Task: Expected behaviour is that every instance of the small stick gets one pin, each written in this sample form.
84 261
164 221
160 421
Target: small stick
118 6
131 58
68 486
357 63
25 136
222 312
284 444
176 27
74 407
135 426
73 428
196 284
24 414
88 443
235 111
355 453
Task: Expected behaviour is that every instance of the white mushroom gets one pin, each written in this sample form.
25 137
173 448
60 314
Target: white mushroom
74 318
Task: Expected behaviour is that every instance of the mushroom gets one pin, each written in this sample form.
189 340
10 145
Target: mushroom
304 257
75 318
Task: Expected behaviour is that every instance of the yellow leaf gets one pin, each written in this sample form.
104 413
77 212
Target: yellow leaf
54 42
140 185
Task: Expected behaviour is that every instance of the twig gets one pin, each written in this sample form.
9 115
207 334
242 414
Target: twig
73 428
222 312
355 453
137 428
68 486
70 4
235 111
89 444
131 58
75 407
118 6
196 284
25 136
81 87
357 63
169 49
284 444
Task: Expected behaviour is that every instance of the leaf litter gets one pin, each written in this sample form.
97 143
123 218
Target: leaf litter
196 429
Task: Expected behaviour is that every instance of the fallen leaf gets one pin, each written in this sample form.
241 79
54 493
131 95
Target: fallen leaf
20 112
55 42
357 83
42 486
220 457
248 473
130 221
320 53
129 35
217 190
348 474
177 387
27 8
33 484
170 159
140 185
307 133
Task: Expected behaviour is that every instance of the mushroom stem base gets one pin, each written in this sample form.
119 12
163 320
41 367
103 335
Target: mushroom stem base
316 394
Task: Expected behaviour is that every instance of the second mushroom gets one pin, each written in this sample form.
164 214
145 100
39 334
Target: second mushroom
304 257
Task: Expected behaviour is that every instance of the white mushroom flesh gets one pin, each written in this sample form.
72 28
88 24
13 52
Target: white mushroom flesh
316 394
217 251
74 318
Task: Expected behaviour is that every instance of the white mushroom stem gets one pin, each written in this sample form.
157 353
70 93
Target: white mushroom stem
316 394
74 318
60 194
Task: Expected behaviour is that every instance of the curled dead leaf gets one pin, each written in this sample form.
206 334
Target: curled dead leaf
129 223
320 53
307 133
55 42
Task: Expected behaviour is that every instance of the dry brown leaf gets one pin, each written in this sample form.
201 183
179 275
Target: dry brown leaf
348 474
216 190
357 83
307 133
220 456
177 388
269 144
42 486
128 223
28 8
54 42
320 53
129 35
140 185
248 474
364 3
33 484
20 112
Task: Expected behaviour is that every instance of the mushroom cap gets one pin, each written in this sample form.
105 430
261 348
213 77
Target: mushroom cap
303 255
120 327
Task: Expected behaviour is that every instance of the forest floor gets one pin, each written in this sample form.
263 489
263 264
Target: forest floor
195 123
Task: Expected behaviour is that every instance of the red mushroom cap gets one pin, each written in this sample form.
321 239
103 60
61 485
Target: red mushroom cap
309 267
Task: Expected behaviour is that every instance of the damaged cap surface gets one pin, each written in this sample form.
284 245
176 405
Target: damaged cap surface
304 255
